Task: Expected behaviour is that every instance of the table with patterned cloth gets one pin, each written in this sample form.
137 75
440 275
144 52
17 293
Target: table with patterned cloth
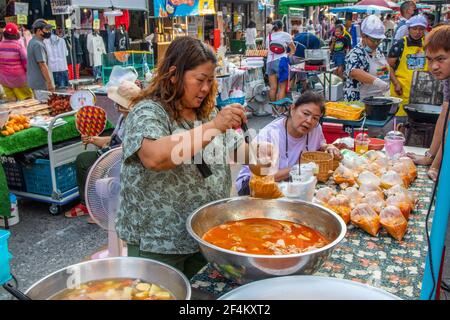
381 261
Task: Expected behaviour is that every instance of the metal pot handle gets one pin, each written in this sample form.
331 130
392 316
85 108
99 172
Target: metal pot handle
15 292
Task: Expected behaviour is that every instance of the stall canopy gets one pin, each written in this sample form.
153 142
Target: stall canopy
362 9
140 5
309 3
381 3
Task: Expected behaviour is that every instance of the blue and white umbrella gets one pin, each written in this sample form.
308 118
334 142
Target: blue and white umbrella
362 9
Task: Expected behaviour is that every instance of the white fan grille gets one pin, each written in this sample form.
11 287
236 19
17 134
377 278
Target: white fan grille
103 188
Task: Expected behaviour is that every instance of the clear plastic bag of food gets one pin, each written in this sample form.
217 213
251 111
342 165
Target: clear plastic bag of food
264 187
368 177
383 163
323 195
412 169
354 196
371 155
390 179
341 205
399 189
403 170
375 201
364 217
370 187
403 202
344 175
392 219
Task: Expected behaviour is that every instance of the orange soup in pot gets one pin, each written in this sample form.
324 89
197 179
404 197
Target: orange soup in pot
265 236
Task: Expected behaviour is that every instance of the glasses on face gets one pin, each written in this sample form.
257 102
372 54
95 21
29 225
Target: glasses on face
373 39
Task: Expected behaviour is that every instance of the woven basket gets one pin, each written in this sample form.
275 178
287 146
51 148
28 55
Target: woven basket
323 159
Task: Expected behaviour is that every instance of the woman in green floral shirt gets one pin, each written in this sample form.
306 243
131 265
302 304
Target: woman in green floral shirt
173 120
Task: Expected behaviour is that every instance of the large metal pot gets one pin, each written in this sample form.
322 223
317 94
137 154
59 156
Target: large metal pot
242 267
112 268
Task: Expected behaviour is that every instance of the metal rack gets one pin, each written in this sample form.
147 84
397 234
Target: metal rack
59 157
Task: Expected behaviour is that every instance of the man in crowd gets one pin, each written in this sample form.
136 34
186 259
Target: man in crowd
389 25
405 57
38 73
302 41
437 50
407 10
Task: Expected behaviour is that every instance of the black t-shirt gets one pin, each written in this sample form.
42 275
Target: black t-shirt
342 44
398 47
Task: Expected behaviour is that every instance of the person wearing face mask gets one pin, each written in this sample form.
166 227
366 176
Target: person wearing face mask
405 57
366 67
39 76
299 131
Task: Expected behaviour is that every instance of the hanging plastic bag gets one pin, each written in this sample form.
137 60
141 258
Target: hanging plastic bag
394 222
264 187
364 217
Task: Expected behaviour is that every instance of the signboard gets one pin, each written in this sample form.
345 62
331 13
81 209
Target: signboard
53 23
21 9
206 7
61 7
12 19
69 23
96 24
167 8
22 19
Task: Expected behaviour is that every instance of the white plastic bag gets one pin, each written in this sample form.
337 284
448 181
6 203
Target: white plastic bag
120 74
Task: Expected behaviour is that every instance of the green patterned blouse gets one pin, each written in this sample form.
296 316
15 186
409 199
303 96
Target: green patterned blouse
154 205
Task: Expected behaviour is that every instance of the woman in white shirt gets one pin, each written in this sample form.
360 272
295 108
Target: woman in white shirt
278 43
250 35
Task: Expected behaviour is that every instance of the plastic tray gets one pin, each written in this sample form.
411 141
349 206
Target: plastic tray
5 257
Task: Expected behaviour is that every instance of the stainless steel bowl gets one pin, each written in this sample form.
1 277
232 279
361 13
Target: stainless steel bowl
242 267
112 268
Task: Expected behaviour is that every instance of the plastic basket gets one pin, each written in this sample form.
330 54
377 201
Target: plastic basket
222 103
5 257
38 179
323 159
343 111
13 173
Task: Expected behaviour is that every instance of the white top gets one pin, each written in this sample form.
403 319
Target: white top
278 37
250 36
269 28
57 53
96 47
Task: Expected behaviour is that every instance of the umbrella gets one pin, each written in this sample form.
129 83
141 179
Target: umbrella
381 3
362 9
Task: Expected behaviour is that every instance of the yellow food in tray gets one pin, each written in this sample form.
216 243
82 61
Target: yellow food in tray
344 111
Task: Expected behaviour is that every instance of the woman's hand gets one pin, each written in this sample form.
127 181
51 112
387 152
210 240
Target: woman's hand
230 117
333 151
263 158
87 139
398 88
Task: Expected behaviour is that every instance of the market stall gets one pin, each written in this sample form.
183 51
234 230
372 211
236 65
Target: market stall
49 175
173 21
379 261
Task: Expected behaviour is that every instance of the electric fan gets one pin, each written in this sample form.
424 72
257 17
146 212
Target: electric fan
259 100
112 11
102 199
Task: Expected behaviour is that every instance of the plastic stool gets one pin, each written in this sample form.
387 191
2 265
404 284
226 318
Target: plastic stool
280 107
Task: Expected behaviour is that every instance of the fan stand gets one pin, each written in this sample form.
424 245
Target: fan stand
116 247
